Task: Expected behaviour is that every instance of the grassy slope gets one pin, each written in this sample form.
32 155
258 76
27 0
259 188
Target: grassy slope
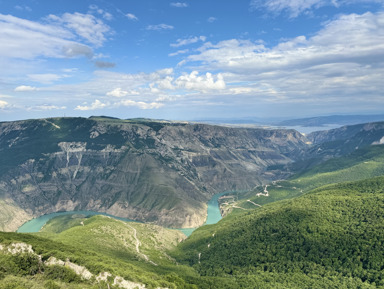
332 237
104 245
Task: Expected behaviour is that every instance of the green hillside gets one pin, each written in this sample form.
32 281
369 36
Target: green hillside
330 238
132 251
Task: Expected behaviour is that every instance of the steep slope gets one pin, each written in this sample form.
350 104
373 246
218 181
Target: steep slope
146 170
332 235
344 140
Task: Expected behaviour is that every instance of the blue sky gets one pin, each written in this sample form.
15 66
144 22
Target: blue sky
192 59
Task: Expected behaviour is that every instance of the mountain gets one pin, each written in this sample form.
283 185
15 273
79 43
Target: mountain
331 119
153 171
329 238
315 229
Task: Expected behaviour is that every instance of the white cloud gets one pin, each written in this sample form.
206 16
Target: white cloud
47 107
26 39
3 104
159 27
117 92
165 83
57 37
86 26
341 63
296 7
106 15
179 4
97 104
183 51
187 41
25 88
131 17
348 39
140 104
194 81
45 78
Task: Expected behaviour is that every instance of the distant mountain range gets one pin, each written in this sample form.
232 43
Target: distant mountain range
316 121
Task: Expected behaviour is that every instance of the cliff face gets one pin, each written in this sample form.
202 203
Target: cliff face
344 140
144 170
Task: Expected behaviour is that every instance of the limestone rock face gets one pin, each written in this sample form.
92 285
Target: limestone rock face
152 171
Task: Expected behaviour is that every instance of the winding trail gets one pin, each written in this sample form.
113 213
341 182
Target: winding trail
138 243
253 203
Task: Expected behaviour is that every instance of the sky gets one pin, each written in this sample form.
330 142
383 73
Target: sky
189 60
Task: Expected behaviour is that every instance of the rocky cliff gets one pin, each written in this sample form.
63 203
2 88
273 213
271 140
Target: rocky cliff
151 171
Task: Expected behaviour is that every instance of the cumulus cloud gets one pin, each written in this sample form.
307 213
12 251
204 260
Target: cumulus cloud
97 104
179 4
187 41
25 88
344 61
194 81
117 92
160 27
347 39
131 16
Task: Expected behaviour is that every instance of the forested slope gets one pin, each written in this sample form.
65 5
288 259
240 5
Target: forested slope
333 233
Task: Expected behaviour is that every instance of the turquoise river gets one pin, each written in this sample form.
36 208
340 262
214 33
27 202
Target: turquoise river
35 225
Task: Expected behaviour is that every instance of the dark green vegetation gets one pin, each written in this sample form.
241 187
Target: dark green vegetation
331 237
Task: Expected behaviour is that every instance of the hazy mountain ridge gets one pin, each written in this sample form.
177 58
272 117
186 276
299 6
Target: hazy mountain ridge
152 171
331 119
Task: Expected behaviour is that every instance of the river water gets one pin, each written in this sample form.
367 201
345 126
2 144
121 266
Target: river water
35 225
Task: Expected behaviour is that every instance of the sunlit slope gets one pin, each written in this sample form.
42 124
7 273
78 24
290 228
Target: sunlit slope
127 241
132 252
334 233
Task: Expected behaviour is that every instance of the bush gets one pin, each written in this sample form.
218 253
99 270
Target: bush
61 273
